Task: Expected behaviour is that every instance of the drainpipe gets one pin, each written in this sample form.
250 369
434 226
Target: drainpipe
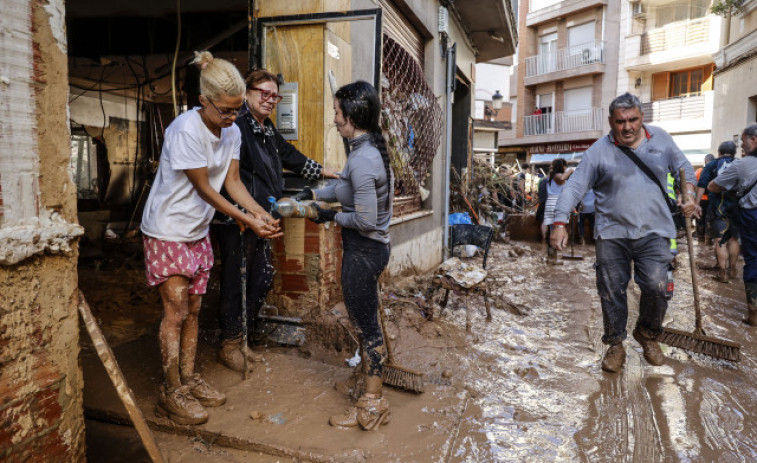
449 57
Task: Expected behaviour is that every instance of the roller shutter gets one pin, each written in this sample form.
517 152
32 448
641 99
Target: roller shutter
399 29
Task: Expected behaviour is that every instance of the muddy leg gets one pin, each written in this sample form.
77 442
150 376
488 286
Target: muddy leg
175 308
189 338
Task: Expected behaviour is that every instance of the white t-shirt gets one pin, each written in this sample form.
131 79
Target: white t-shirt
174 211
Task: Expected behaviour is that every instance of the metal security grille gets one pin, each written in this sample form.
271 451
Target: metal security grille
412 123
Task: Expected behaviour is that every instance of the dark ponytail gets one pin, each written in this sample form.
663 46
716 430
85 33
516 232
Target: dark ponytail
380 143
360 104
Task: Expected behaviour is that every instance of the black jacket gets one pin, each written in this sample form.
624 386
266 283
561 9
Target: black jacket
263 154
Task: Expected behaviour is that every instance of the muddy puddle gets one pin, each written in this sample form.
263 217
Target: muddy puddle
525 387
538 393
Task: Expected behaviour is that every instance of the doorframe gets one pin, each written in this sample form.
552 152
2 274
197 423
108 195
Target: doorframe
257 27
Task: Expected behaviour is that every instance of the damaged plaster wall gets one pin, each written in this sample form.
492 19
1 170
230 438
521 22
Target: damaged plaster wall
41 417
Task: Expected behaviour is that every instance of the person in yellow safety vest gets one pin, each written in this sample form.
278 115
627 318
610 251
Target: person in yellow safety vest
673 243
672 194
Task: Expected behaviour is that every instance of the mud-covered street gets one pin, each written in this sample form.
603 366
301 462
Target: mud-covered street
526 387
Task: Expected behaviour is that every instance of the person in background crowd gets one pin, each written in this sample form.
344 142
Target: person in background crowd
366 190
200 154
586 215
741 176
558 175
722 214
263 154
634 223
703 201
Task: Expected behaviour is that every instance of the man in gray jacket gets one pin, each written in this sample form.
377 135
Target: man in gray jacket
633 223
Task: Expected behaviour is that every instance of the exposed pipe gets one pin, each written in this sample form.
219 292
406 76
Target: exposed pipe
449 56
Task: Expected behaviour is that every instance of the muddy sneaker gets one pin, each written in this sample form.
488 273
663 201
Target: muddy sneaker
614 358
652 352
722 276
733 272
204 393
180 406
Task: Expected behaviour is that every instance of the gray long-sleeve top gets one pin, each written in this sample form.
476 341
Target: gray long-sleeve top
628 203
363 190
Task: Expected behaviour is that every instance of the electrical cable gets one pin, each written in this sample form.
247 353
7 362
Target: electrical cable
175 57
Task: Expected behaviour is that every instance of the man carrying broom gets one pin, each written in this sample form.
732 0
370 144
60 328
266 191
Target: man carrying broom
634 223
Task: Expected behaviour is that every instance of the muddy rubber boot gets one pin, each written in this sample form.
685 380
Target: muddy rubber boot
205 393
733 272
180 406
354 386
751 300
652 352
370 411
614 358
230 355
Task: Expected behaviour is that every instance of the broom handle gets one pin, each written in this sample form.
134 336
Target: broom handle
690 245
389 353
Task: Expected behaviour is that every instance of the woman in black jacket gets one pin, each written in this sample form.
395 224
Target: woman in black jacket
263 154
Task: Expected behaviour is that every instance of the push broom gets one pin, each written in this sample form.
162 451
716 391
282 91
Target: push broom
698 342
393 374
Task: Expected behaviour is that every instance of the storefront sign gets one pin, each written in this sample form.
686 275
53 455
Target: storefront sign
569 147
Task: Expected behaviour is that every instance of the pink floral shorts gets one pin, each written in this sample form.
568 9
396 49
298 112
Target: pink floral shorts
168 258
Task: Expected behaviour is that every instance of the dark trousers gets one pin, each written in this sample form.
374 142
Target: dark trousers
702 221
259 277
748 227
650 257
583 219
362 263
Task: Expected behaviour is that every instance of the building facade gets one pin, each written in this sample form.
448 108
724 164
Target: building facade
666 58
735 75
566 75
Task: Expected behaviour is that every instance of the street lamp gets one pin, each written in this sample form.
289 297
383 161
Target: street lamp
497 102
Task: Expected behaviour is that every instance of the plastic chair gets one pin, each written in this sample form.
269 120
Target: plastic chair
478 235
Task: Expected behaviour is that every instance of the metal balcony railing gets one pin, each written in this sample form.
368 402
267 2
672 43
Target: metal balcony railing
566 58
675 35
563 122
690 107
540 4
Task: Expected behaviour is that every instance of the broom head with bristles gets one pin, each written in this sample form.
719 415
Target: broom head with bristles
701 344
403 378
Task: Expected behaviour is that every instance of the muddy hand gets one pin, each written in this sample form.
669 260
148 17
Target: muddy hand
689 208
559 238
262 228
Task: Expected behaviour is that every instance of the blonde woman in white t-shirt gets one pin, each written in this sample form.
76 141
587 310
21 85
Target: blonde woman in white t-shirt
200 155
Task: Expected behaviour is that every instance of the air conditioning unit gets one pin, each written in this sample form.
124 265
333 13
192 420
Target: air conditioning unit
637 10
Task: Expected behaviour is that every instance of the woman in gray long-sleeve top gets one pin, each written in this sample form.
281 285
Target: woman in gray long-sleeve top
365 190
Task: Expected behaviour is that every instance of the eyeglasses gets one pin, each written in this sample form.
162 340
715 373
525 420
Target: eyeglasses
227 113
268 95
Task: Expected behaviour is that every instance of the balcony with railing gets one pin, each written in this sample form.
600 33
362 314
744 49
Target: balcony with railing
563 122
687 113
588 58
680 43
543 11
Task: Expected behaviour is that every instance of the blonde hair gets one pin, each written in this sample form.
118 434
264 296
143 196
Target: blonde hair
218 76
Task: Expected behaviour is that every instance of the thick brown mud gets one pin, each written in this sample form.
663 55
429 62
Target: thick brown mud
525 387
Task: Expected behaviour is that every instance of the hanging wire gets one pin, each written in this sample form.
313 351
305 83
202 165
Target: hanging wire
175 57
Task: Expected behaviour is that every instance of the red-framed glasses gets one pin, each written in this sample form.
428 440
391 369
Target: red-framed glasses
268 95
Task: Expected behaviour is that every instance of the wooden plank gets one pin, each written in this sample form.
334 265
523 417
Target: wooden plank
297 53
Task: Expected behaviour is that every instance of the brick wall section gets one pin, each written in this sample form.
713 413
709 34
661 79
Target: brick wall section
314 278
41 415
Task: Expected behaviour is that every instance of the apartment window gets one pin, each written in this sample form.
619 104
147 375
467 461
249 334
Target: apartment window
686 83
547 53
577 99
582 34
681 11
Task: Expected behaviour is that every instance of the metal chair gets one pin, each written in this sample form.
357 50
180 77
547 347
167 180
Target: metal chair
478 235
